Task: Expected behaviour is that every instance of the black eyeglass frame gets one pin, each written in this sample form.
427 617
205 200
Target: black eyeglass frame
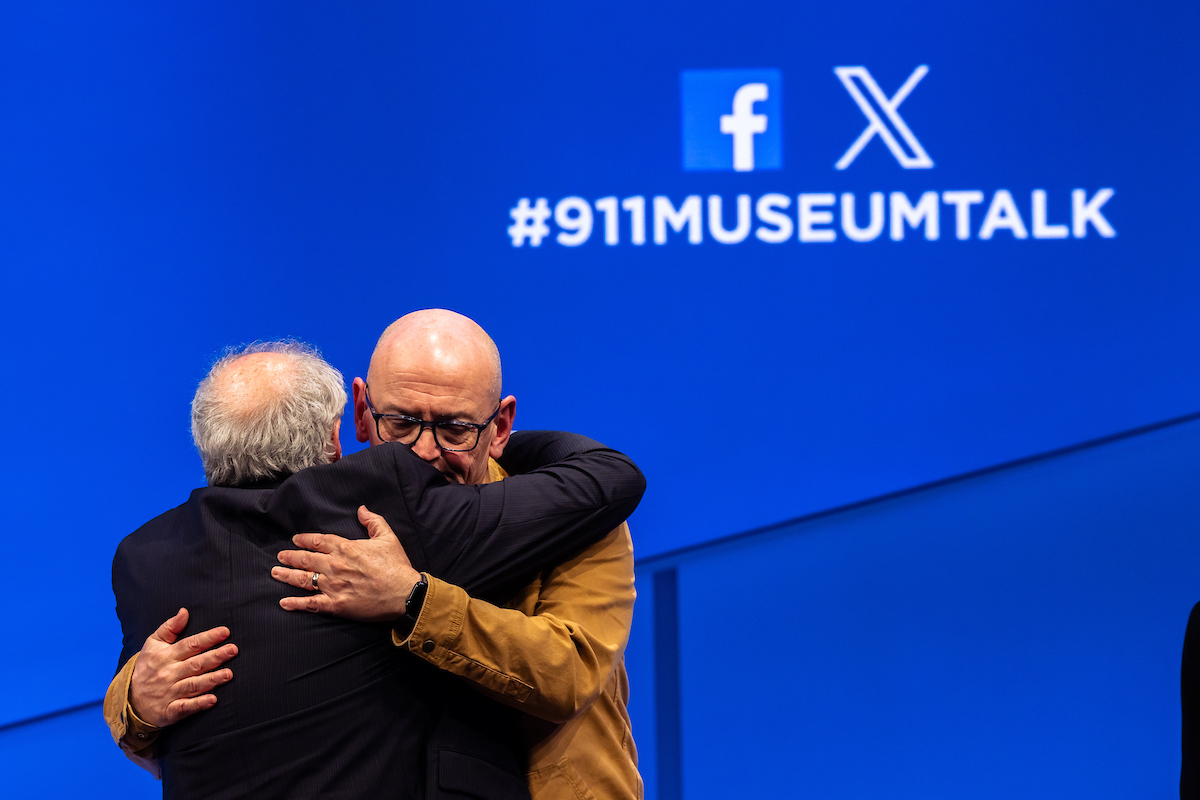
433 426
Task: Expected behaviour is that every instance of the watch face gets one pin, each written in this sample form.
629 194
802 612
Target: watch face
416 597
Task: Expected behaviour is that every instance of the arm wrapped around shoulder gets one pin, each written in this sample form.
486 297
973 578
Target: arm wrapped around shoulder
528 451
566 493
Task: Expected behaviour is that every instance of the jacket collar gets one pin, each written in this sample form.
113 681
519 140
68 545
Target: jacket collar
266 482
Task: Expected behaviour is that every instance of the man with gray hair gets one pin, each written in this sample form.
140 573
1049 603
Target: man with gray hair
243 434
323 706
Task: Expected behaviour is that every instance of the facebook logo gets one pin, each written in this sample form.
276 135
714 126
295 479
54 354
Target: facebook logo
732 119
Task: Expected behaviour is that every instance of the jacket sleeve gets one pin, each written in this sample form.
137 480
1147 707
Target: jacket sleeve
492 539
553 663
135 737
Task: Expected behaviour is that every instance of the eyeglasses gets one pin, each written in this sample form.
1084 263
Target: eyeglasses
451 435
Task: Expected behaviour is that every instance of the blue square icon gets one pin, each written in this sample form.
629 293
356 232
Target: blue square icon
732 119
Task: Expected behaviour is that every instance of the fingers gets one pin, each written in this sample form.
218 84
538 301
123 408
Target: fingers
167 674
316 604
203 684
169 631
199 673
301 579
306 562
200 642
180 709
206 662
376 525
320 542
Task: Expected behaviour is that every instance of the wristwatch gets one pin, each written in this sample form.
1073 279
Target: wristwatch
416 599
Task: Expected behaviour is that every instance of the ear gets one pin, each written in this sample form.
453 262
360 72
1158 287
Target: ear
504 426
362 415
337 440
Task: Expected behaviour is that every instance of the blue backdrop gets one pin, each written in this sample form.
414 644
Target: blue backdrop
1017 274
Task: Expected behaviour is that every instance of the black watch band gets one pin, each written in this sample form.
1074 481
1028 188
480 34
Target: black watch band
416 599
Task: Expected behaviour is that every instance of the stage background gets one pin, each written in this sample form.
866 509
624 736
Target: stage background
176 179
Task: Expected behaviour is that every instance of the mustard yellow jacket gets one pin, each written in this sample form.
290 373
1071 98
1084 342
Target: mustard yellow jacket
556 652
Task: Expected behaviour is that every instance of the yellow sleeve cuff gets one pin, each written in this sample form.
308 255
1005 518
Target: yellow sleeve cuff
439 624
131 733
116 701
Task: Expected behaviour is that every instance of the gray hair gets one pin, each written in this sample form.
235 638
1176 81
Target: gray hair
281 432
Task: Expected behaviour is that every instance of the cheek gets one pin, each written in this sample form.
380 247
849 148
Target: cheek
457 464
467 467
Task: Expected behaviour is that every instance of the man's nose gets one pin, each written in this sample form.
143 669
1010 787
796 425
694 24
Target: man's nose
426 446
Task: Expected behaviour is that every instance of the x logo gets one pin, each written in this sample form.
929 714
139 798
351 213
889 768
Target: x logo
916 158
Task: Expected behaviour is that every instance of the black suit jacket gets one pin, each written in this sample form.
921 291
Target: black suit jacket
325 707
1189 774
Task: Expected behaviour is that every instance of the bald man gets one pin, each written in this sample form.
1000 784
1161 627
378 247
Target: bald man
556 650
322 706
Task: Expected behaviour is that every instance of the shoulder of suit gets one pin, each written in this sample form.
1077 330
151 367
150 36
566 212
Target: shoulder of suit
158 529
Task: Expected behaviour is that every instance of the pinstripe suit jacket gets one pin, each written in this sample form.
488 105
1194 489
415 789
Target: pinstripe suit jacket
324 707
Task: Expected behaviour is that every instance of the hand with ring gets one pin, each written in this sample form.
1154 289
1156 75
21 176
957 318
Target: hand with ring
368 580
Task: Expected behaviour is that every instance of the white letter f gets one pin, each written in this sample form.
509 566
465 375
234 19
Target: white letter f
743 123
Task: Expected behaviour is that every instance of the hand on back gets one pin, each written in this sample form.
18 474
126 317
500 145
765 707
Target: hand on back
368 580
174 677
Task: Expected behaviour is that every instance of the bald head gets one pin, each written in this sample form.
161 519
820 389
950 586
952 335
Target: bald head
438 340
268 409
439 367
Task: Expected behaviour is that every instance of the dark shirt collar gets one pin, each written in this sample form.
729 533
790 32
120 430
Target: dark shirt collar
268 482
